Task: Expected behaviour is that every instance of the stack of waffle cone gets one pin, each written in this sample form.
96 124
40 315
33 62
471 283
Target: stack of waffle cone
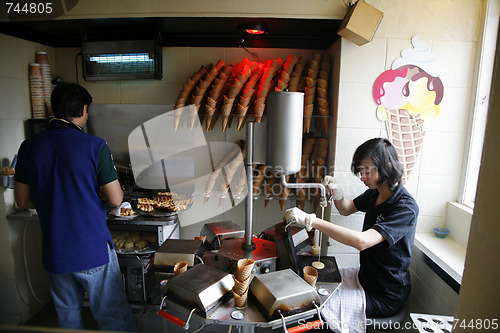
310 275
318 161
310 90
258 179
244 72
298 69
214 94
407 135
247 96
270 183
284 193
198 93
322 92
182 99
229 172
240 185
241 281
286 73
214 177
180 267
272 67
303 175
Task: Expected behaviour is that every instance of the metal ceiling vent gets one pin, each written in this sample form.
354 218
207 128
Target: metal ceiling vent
122 60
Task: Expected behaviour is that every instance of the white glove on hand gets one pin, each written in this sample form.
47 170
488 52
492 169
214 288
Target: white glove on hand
299 217
336 192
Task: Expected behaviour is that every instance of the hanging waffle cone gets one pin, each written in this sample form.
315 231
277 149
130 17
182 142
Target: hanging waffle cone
323 75
322 93
180 267
258 179
324 113
269 188
244 269
407 135
259 112
310 275
308 111
284 193
240 301
242 112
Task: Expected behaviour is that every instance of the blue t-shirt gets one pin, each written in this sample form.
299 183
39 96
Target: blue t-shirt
65 168
384 268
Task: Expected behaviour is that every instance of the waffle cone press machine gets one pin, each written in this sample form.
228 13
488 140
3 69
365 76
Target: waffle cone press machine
276 293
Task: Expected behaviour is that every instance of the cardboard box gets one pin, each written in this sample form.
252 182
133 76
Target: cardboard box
360 23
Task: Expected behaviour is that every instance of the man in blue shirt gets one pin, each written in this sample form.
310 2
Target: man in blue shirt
66 174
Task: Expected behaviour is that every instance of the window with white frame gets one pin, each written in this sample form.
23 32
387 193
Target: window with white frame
477 121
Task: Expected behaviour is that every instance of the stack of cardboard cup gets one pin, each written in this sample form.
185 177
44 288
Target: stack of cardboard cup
43 60
310 275
241 281
36 91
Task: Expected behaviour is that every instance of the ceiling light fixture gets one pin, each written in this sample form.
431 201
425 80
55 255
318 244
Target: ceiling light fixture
254 28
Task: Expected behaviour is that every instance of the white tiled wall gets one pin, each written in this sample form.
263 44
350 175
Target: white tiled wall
16 302
430 294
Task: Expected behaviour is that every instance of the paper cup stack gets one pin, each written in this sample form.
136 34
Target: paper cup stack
43 60
180 267
310 275
36 90
241 281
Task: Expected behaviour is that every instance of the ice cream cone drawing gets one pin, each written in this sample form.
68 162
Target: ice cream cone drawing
408 98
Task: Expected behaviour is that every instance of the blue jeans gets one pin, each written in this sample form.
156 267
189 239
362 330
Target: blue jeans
107 297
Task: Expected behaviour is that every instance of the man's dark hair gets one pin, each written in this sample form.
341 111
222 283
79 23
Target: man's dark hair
385 158
68 99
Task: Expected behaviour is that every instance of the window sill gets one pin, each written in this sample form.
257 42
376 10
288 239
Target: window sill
445 253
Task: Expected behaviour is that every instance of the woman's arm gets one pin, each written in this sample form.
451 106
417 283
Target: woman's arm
360 240
345 206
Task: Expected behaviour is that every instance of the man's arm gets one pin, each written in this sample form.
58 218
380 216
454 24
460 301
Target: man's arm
112 193
22 193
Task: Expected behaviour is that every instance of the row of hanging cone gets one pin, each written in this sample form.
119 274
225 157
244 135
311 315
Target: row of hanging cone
228 91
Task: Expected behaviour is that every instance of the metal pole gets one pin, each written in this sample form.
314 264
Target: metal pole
322 188
248 245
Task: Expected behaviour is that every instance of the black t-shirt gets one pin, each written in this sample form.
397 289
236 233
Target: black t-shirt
384 268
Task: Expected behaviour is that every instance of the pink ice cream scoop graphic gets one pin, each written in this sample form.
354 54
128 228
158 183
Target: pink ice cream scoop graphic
408 96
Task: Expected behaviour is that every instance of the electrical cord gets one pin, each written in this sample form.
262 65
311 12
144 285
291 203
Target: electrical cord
254 54
27 271
76 65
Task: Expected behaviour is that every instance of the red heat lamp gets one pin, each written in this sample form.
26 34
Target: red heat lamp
254 28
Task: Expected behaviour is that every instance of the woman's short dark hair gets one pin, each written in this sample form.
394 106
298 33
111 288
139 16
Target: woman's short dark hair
68 99
385 158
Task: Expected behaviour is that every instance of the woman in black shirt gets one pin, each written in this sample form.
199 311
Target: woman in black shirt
386 240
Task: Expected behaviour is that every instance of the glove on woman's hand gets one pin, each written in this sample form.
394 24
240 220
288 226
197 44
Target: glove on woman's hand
336 192
299 217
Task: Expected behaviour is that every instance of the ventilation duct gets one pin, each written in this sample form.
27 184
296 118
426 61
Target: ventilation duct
122 60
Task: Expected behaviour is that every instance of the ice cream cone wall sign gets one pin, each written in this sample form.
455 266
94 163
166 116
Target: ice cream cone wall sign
408 97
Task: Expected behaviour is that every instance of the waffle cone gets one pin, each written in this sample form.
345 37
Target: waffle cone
308 111
407 135
310 275
180 267
240 286
244 269
240 301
